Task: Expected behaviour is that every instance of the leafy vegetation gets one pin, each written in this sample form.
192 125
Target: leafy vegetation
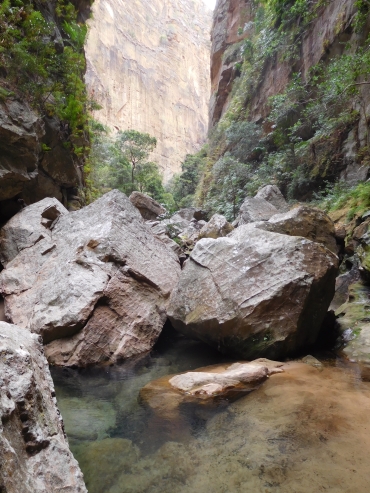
298 147
183 186
42 60
122 162
339 196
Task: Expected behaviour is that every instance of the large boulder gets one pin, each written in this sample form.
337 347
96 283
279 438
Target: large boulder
98 281
272 194
148 207
216 227
255 209
34 452
190 213
255 293
313 224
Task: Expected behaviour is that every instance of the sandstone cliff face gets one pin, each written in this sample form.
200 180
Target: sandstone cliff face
325 37
148 66
34 163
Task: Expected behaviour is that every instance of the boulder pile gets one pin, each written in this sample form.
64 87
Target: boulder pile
94 283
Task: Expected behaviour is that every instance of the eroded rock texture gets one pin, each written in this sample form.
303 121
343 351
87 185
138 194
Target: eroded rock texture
255 293
148 67
34 453
95 283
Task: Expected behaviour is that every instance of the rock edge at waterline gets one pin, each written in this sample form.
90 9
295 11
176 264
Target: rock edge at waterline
34 452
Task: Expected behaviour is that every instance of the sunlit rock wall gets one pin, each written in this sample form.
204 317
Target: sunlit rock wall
148 64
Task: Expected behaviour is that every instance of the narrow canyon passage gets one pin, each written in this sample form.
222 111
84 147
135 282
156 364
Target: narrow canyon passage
184 246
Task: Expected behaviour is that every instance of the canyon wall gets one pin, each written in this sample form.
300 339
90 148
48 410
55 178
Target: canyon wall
278 72
233 21
148 67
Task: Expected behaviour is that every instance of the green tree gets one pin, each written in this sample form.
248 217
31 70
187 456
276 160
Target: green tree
135 148
183 186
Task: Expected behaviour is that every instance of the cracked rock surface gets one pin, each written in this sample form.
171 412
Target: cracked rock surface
255 293
94 283
34 452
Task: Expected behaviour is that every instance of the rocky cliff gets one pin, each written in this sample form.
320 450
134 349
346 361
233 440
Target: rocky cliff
148 67
235 20
290 102
43 136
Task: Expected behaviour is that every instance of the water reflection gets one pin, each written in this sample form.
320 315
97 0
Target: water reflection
306 430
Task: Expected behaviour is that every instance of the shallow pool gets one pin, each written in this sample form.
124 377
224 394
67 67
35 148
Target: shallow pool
306 430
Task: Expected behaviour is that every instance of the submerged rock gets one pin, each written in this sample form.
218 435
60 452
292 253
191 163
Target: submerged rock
255 293
206 385
98 281
148 207
34 453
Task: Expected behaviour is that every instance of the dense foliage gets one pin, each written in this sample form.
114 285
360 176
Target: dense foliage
42 60
122 162
298 146
183 186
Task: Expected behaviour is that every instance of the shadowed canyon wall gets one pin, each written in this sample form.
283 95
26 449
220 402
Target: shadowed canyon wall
148 67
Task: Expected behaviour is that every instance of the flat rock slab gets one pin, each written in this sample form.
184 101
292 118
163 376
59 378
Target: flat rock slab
34 452
207 386
255 293
95 283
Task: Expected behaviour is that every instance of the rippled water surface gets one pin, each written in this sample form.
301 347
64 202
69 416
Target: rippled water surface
306 430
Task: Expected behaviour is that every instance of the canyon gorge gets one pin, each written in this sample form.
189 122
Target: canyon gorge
204 325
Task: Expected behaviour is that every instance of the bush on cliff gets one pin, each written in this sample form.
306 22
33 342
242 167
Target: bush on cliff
298 147
42 59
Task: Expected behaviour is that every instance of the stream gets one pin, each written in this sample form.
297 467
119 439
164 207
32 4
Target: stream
304 430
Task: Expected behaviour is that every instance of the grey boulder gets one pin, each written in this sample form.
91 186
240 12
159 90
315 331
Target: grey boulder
34 452
98 281
216 227
272 194
255 209
148 207
313 224
254 293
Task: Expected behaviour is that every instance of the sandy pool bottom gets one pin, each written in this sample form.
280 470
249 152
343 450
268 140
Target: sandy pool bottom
306 430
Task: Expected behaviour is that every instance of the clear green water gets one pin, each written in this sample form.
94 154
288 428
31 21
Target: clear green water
307 430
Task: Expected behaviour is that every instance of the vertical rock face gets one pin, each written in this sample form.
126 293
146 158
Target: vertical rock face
233 21
148 67
239 37
229 16
34 453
